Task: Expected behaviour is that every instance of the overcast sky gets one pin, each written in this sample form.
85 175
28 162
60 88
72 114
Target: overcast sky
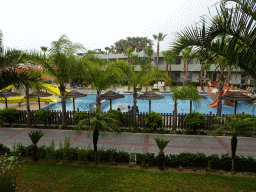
30 24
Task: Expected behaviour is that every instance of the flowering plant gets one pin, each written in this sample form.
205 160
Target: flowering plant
9 176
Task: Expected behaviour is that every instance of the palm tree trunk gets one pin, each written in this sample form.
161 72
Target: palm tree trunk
175 116
202 72
233 148
170 72
229 74
220 90
184 72
28 108
63 104
34 149
190 106
98 100
134 103
95 141
157 59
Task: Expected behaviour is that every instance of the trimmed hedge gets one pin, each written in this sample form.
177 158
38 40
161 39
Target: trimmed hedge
242 163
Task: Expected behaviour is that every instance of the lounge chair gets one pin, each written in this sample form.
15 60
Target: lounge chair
168 89
143 90
155 86
161 89
149 88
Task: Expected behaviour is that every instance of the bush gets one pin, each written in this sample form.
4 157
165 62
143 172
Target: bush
194 120
9 114
193 83
4 149
43 115
120 116
80 116
153 120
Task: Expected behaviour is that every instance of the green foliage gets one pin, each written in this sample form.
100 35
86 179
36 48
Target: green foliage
35 136
120 116
9 114
194 120
236 124
4 149
193 83
153 120
80 116
43 114
161 143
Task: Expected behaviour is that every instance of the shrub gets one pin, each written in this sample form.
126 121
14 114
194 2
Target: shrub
194 120
43 115
9 114
153 120
80 116
120 116
4 149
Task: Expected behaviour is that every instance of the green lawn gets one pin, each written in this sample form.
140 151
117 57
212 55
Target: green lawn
39 176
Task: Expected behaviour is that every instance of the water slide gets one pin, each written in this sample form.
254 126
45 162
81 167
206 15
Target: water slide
53 89
45 99
13 99
214 104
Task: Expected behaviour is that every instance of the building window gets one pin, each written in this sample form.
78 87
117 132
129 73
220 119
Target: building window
177 60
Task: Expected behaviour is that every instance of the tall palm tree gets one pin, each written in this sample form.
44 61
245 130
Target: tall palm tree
61 65
169 58
138 78
99 123
44 49
150 52
235 123
101 74
158 38
187 55
128 53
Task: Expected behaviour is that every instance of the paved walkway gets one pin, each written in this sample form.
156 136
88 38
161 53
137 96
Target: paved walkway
140 142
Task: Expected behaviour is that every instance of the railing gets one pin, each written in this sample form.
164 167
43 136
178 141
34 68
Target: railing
168 119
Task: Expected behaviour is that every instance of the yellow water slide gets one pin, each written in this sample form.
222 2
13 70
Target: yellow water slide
45 99
13 99
53 89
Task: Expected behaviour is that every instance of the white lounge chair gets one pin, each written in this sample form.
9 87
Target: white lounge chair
155 86
143 90
149 88
161 89
168 89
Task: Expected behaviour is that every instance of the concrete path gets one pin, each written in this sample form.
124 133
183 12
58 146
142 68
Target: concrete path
140 142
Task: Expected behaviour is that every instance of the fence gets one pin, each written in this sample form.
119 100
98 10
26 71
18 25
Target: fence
168 119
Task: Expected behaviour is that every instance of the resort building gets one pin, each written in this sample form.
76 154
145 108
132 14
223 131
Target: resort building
177 68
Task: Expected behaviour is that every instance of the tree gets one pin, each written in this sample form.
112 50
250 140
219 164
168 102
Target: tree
128 53
101 74
137 78
235 124
149 51
61 65
99 123
158 38
35 136
44 49
169 58
188 55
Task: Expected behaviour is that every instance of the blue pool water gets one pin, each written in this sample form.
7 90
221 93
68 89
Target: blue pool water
165 105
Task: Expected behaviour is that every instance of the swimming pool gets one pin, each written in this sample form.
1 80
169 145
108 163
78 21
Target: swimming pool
165 105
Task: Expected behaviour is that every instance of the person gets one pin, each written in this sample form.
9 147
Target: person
129 109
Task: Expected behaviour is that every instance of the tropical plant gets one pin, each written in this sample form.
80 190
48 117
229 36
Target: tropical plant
44 49
158 38
192 94
141 77
188 55
235 124
61 65
169 58
9 114
43 115
150 52
99 123
80 116
35 136
153 120
101 74
120 116
161 143
194 121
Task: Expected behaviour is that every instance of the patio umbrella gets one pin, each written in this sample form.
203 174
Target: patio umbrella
74 94
110 95
184 78
150 96
38 95
7 93
237 96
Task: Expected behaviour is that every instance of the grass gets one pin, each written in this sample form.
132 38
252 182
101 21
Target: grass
40 176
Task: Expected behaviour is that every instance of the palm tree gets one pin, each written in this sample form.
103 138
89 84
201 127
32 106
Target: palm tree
128 53
188 55
99 123
149 51
158 38
44 49
235 124
61 65
138 77
169 58
35 136
101 74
